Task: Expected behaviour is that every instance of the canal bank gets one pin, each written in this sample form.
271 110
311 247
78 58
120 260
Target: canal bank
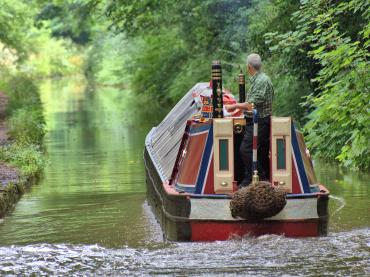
21 138
11 187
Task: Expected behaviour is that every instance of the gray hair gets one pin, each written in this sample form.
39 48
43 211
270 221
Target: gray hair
255 61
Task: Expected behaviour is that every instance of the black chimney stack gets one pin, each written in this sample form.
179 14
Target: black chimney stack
217 90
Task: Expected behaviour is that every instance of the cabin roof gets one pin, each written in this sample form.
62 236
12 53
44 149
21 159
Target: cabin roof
163 142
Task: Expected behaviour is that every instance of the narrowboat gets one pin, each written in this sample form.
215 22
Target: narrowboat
193 167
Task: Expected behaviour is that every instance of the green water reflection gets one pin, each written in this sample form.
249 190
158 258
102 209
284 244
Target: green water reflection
94 188
350 197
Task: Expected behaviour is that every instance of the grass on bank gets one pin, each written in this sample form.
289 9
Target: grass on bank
26 125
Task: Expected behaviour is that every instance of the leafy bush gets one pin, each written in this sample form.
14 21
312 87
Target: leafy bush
15 21
339 125
29 158
22 92
170 46
52 57
27 125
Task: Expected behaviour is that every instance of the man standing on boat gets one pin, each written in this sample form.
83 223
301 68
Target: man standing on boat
261 95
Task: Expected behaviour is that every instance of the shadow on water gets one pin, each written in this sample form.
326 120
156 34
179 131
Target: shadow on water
89 216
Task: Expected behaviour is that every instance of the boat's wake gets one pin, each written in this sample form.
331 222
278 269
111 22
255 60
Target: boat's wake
339 254
155 234
342 203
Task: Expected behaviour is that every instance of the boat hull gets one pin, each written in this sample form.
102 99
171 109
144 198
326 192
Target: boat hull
211 231
185 217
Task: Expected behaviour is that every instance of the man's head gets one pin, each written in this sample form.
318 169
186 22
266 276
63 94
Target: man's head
254 63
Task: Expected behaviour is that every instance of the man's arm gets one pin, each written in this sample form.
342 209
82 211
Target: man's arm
240 106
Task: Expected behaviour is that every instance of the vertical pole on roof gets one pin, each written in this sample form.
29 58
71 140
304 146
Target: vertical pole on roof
217 90
241 87
255 177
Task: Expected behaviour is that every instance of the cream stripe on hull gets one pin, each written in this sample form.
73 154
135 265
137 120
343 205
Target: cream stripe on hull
218 209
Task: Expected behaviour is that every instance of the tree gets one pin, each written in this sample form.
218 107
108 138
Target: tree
339 125
16 19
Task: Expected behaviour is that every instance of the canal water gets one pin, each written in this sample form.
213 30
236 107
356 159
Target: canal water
88 215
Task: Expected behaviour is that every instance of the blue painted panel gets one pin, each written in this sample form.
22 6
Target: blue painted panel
207 156
300 165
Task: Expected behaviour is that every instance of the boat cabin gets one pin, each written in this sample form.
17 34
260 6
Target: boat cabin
193 167
200 155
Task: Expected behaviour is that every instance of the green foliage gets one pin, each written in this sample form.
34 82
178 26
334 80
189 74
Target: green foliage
15 21
315 51
266 16
22 92
290 90
106 63
170 45
27 48
27 125
26 120
198 32
68 19
53 57
154 66
286 71
339 125
29 158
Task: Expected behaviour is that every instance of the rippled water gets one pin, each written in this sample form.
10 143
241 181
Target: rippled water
344 253
88 216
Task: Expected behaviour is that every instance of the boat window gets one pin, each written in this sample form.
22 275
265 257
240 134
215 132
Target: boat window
224 154
280 151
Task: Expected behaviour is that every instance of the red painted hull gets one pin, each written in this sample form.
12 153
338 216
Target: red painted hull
184 217
211 231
